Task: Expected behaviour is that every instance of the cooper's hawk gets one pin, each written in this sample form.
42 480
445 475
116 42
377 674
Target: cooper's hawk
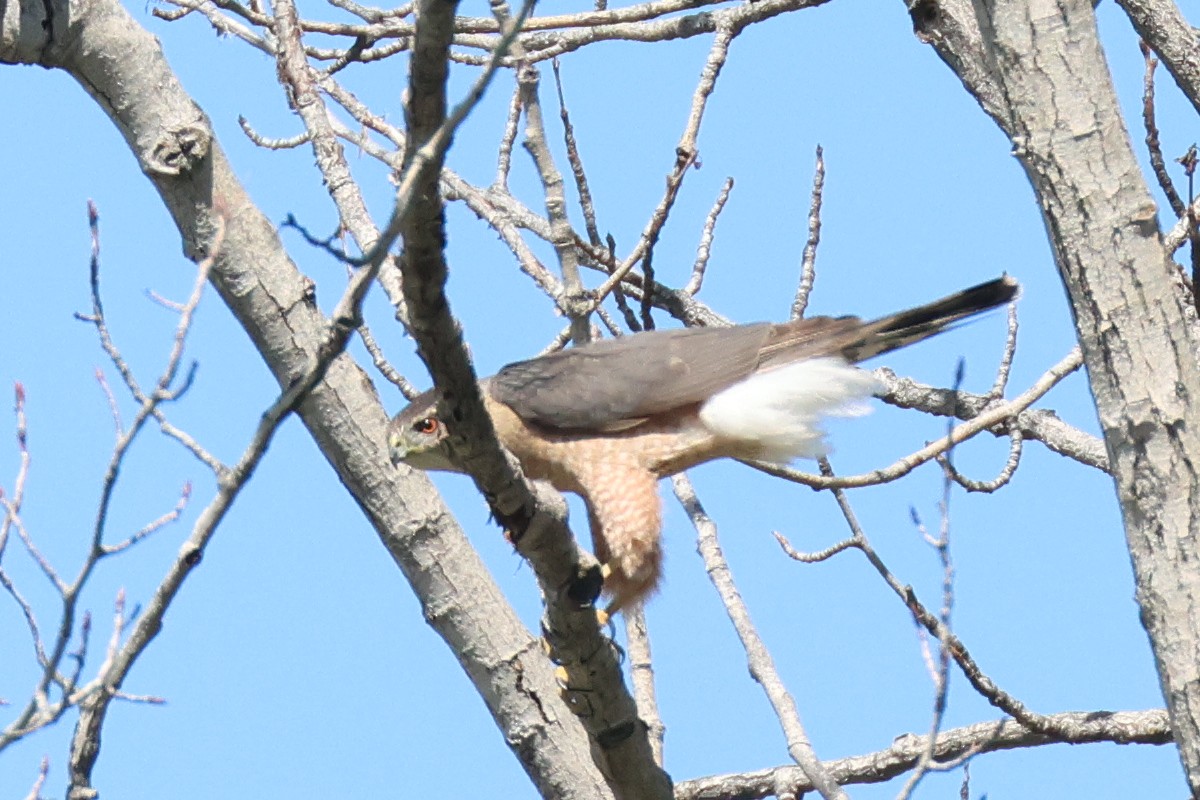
607 420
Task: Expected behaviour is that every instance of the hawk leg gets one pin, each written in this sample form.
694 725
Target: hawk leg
626 521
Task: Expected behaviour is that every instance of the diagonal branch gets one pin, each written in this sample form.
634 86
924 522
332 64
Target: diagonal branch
623 750
174 146
762 666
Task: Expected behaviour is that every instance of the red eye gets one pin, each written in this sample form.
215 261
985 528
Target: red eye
426 426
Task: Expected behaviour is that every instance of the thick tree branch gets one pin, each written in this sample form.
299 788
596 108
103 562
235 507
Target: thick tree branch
1121 727
622 750
122 66
1059 109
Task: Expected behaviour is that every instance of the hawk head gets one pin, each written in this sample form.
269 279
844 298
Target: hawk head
417 437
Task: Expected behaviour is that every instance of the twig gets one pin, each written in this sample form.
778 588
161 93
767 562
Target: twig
762 667
575 302
35 792
511 126
646 318
939 670
641 676
816 557
18 491
43 563
683 163
573 158
384 366
704 248
1010 351
992 416
1154 149
1016 439
978 679
808 263
35 636
113 406
1034 424
268 143
158 524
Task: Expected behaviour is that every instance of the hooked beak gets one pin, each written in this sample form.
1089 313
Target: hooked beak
397 452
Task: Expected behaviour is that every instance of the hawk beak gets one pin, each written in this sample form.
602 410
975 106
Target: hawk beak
397 455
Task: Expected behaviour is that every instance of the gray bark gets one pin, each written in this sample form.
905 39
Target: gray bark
122 67
1038 69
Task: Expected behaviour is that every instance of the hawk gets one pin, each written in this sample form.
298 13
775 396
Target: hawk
607 420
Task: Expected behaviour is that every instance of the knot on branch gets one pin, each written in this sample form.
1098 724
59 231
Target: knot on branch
179 150
925 15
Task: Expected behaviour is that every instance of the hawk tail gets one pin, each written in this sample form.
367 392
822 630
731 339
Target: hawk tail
906 327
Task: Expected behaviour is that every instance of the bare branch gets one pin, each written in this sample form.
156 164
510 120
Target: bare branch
151 527
1153 147
511 125
762 666
573 158
704 248
35 636
641 675
978 679
113 406
574 301
35 793
939 670
818 556
1163 27
808 264
1041 425
298 140
537 522
1016 439
383 365
10 513
18 491
988 418
1121 727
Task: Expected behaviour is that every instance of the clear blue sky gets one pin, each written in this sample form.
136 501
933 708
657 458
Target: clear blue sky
296 662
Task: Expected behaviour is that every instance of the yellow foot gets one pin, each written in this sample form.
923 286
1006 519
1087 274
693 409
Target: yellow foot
575 697
563 678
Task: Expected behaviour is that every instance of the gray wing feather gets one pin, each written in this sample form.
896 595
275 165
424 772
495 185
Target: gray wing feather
613 384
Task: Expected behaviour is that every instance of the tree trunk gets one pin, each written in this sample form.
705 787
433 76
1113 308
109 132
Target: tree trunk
1038 70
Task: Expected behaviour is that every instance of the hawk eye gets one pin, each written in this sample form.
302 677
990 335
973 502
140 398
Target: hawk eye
426 426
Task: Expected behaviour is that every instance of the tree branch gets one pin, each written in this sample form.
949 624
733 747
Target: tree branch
1120 727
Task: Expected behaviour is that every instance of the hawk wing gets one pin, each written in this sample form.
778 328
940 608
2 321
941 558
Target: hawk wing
616 383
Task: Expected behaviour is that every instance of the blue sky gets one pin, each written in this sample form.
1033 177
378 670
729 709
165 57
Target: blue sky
296 662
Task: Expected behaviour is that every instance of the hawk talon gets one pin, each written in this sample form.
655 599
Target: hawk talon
584 589
548 645
575 697
562 678
514 525
605 620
